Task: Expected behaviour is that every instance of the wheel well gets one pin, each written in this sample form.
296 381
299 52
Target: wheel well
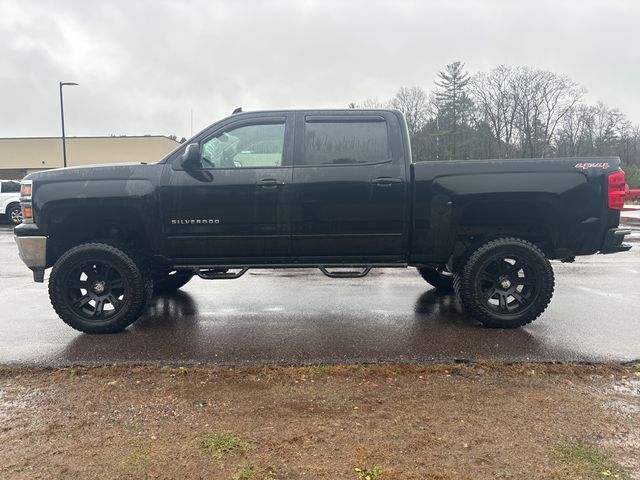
67 234
487 220
465 244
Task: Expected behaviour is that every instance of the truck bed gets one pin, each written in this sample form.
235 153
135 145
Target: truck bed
560 201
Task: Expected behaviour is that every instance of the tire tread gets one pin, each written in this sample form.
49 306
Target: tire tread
463 281
140 295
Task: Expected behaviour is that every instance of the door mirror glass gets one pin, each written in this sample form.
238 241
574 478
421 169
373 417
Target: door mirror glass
191 158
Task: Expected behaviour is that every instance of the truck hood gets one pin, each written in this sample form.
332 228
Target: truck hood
111 171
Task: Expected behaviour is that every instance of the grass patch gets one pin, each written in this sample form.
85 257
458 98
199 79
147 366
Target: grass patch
244 473
322 369
253 473
133 427
219 444
586 461
138 457
369 473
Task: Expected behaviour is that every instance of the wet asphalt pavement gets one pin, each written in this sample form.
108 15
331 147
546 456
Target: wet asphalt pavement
302 317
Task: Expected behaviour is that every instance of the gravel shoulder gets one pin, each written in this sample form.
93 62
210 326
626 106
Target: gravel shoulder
475 421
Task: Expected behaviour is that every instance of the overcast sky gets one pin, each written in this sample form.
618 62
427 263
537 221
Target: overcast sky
143 65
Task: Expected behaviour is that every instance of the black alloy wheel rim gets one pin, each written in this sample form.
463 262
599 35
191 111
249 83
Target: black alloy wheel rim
95 290
507 284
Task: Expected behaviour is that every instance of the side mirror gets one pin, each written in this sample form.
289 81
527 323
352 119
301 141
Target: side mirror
191 158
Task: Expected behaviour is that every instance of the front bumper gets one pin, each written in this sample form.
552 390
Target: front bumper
613 241
33 252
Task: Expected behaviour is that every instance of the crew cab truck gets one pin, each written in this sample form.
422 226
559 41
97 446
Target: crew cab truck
319 189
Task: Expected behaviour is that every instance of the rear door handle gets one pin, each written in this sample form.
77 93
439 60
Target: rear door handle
269 183
385 181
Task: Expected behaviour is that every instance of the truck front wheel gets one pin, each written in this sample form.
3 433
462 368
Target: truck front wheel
98 288
440 278
505 283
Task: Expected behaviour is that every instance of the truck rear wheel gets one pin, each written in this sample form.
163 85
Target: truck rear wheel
439 277
171 282
505 283
98 288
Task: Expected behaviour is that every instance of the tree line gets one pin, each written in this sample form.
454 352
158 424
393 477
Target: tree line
511 112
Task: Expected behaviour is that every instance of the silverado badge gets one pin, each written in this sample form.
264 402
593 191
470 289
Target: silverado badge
195 221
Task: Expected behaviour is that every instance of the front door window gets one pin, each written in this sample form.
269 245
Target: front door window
250 146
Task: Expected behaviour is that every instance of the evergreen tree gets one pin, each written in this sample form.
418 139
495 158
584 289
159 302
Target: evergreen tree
454 107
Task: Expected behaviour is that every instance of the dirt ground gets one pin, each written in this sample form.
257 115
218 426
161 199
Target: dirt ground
465 421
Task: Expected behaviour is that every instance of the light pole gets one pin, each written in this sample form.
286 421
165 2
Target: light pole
64 144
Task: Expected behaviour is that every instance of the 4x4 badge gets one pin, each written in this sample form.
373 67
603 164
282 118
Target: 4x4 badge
587 166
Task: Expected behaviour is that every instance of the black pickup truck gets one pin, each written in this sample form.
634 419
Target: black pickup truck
329 189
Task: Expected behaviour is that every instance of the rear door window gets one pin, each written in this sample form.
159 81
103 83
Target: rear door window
345 141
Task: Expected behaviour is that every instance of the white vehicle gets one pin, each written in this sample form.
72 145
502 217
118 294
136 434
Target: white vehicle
10 200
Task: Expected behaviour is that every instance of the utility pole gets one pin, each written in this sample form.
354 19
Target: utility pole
64 143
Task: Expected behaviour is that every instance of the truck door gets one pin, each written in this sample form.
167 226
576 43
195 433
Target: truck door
349 188
235 208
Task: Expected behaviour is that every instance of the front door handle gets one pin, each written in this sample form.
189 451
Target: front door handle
269 183
385 181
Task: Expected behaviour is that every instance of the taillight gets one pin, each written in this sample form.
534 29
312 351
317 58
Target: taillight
617 190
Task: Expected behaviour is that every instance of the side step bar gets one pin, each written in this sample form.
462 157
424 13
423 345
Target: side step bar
346 274
224 274
219 273
228 272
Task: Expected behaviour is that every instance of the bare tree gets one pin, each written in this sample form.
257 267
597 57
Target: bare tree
524 106
493 94
371 103
543 98
412 102
605 128
573 132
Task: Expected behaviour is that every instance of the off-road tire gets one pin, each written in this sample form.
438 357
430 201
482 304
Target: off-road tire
14 214
473 283
172 282
438 278
137 288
